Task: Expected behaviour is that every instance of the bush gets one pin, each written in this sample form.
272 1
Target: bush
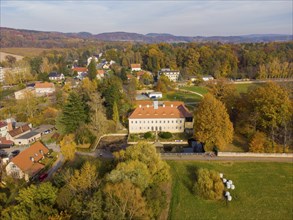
148 135
165 135
209 184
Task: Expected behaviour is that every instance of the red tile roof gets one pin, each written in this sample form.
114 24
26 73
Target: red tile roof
140 73
166 109
25 162
80 69
135 65
44 85
4 141
19 130
100 72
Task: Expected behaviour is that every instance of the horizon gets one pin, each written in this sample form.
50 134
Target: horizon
178 18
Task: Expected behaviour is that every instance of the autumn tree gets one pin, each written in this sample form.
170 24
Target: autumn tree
273 108
212 125
258 142
124 204
209 184
68 147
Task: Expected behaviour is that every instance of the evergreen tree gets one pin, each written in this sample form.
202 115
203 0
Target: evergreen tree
73 114
92 70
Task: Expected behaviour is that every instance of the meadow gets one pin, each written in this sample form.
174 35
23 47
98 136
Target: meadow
263 191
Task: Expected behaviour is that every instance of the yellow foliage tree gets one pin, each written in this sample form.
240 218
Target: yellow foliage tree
68 147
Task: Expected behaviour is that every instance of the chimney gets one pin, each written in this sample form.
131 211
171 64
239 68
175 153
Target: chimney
156 104
171 105
148 106
32 159
9 124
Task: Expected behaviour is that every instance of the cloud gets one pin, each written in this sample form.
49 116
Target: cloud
175 17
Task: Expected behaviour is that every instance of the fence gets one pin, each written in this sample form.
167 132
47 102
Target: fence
237 154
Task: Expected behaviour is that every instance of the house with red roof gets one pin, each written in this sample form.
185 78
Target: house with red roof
171 116
135 67
27 163
44 88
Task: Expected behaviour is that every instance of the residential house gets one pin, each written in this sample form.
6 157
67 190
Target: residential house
3 128
155 95
173 75
44 89
135 67
207 78
81 72
26 92
160 116
27 163
18 131
100 74
90 59
54 76
4 143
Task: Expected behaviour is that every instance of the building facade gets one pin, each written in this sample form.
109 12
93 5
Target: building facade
159 116
173 75
43 89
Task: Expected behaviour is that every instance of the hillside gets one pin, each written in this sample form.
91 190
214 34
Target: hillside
29 38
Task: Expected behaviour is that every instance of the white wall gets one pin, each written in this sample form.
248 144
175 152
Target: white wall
173 125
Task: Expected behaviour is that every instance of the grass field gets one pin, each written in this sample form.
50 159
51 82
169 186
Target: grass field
181 96
263 191
27 52
200 89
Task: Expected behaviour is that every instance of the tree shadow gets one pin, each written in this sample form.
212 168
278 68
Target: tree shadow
192 177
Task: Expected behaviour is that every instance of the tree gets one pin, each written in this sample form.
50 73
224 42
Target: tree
258 142
124 201
209 184
35 202
92 70
273 107
115 115
68 147
212 125
73 114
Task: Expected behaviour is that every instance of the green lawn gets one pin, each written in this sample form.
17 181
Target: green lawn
181 96
243 88
263 191
200 89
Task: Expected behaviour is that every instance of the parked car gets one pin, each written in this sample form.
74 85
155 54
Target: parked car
15 153
3 153
43 176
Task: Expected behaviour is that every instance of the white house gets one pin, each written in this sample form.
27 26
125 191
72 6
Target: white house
26 164
54 76
173 75
90 59
17 132
155 95
160 116
45 88
207 78
135 67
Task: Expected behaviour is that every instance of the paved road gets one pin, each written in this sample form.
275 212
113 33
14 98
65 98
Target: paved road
58 163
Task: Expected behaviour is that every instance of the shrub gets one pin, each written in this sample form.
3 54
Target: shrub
147 135
209 184
165 135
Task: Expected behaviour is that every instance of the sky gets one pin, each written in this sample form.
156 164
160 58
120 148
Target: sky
182 18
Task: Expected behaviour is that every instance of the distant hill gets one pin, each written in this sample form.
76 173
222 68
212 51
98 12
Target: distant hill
30 38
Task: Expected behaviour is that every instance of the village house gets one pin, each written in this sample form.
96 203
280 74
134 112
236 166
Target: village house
81 71
26 164
207 78
54 76
90 59
160 116
135 67
100 74
155 95
44 89
173 75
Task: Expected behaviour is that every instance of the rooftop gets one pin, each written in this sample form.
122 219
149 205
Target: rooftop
135 65
165 109
28 135
27 159
19 130
44 85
